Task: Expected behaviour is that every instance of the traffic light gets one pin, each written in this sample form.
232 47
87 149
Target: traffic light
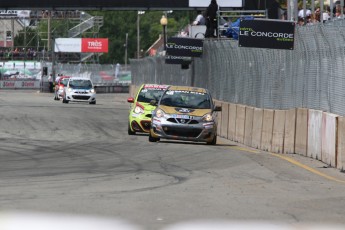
45 71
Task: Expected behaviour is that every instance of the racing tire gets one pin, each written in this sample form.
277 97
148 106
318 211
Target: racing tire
64 100
153 139
92 103
213 142
130 132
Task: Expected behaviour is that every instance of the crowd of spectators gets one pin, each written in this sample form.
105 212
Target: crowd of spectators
309 17
18 54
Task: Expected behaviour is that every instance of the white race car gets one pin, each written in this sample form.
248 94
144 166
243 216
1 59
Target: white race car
79 90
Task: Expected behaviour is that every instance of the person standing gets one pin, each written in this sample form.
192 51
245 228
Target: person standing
211 19
199 20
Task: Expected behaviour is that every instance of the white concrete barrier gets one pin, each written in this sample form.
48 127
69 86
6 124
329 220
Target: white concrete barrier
341 144
267 130
290 131
301 131
225 120
240 121
314 134
219 117
278 131
248 126
232 121
329 139
257 127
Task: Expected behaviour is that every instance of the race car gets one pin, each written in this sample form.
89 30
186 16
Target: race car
140 112
79 90
185 113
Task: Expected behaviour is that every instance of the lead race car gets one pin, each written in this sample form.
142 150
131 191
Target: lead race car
140 112
185 113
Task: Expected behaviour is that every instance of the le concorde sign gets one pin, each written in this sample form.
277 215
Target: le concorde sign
184 47
267 34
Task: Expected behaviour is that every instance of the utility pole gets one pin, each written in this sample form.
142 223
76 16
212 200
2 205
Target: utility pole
126 48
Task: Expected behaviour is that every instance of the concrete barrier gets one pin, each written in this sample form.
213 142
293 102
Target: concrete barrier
248 126
314 134
219 117
232 121
278 131
240 122
267 130
329 139
341 144
290 131
257 127
225 120
301 131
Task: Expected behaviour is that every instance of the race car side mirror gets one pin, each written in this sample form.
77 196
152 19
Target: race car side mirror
217 108
130 100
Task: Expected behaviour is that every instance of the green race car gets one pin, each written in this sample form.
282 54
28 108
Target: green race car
140 113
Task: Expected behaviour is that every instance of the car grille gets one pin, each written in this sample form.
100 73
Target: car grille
183 121
182 131
148 115
146 125
81 97
81 92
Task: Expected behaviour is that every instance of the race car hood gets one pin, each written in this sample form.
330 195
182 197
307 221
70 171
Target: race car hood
186 111
147 106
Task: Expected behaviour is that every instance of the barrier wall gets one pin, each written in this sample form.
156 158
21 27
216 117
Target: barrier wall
341 144
240 122
267 130
301 131
225 120
257 127
278 131
219 118
232 121
20 84
314 134
290 131
329 139
248 127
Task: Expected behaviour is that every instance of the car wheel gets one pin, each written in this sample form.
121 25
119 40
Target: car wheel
92 102
214 141
153 139
64 100
130 132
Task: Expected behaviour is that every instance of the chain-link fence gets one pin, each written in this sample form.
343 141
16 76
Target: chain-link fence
310 76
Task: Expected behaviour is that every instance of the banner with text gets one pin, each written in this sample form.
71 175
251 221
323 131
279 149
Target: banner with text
267 34
184 47
81 45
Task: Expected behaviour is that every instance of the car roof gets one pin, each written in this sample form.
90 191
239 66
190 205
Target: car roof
154 86
79 78
188 88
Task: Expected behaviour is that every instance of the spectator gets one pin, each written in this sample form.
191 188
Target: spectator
199 20
211 19
50 80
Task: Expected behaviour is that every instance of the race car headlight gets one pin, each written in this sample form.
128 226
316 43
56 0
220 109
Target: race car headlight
61 87
138 110
159 113
207 117
70 89
92 90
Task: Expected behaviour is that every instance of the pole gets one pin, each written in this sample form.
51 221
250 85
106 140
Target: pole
164 38
138 35
126 51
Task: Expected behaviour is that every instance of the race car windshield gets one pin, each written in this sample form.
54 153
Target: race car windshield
186 99
147 95
64 82
80 84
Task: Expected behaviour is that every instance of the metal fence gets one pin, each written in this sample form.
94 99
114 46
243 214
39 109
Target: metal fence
310 76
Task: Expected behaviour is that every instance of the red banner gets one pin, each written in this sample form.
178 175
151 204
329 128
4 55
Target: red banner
94 45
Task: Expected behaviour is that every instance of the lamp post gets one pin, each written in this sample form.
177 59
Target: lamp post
126 48
138 33
164 22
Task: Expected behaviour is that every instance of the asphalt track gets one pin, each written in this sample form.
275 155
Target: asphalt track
77 159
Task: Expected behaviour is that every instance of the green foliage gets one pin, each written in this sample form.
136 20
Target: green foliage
116 25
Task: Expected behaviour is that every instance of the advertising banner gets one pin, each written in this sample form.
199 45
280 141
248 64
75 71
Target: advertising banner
19 84
94 45
177 59
185 47
267 34
81 45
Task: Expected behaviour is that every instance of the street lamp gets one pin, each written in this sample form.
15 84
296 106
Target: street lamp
164 23
138 33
